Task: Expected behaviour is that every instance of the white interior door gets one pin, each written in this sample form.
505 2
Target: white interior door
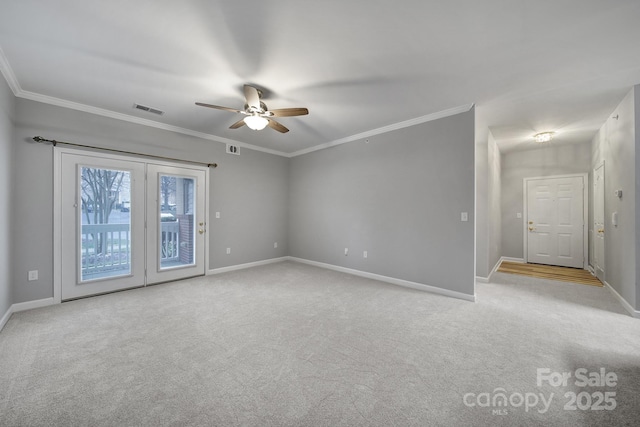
598 222
555 221
175 223
127 223
102 243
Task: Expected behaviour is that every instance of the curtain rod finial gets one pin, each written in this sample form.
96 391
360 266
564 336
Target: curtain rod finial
41 139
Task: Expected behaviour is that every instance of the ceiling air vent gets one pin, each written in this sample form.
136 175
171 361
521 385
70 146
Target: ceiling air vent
148 109
233 149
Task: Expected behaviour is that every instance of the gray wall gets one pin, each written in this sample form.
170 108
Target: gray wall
636 92
494 193
249 190
482 206
399 197
488 208
517 165
616 144
7 105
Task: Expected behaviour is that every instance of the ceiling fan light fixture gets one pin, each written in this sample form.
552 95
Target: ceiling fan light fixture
543 137
257 115
256 122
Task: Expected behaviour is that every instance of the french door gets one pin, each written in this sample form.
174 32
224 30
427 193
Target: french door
127 223
175 227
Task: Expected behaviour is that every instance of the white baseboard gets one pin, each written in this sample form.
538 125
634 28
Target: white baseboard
246 265
22 306
394 281
5 318
495 267
480 279
29 305
625 304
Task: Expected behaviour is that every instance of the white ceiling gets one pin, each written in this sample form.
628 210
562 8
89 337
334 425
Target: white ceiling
528 66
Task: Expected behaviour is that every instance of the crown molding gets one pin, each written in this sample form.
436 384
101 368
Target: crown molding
13 83
378 131
138 120
8 74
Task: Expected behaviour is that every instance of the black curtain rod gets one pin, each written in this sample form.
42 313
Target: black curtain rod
54 142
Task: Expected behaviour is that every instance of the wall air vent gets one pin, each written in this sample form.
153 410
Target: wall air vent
148 109
233 149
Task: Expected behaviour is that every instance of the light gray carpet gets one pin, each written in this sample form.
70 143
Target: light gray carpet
293 345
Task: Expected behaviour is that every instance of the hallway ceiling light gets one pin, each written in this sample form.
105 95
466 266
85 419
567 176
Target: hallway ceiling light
543 137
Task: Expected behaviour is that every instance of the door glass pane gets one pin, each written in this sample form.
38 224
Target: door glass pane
105 221
177 220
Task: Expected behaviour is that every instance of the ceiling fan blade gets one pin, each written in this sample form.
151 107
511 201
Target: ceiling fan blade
277 126
237 124
252 96
217 107
289 112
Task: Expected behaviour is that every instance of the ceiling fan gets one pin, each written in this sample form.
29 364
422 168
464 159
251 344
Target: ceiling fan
257 115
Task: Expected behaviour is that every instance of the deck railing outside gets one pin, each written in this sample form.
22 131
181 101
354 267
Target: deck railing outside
106 248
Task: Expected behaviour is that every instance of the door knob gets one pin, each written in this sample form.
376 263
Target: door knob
201 231
601 230
201 224
530 222
530 228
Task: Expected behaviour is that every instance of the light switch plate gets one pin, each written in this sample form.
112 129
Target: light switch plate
464 216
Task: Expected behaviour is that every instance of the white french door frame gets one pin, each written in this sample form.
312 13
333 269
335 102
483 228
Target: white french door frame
585 214
57 206
155 272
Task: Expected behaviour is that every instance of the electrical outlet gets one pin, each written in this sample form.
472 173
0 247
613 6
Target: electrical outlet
464 216
275 245
228 251
33 275
217 215
346 251
365 254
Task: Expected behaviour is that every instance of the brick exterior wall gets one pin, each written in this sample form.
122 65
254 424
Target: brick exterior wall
186 238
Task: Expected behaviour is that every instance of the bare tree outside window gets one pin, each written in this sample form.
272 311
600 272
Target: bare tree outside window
100 189
167 189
